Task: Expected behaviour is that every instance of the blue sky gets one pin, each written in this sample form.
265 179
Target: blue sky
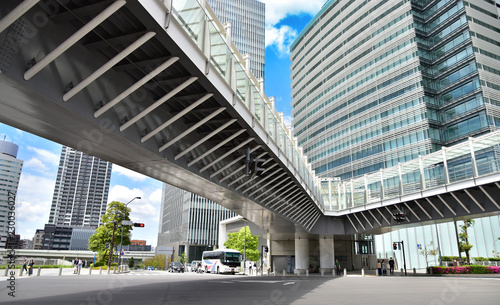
284 21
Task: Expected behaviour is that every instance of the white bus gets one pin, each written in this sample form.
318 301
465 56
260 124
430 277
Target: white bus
221 261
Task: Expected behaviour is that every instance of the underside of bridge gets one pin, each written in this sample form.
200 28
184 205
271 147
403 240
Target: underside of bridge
106 78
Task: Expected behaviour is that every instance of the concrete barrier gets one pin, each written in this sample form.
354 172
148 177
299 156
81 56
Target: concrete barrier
100 270
6 272
307 272
39 270
345 272
362 271
322 272
60 271
90 270
284 272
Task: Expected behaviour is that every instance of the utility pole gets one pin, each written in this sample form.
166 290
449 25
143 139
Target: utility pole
111 246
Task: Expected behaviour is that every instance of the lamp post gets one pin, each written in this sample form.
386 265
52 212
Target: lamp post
121 241
245 249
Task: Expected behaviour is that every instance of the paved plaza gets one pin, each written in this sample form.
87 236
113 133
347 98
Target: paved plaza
159 287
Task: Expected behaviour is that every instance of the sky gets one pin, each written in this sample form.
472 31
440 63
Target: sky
285 19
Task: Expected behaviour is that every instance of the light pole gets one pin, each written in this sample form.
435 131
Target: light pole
245 249
121 241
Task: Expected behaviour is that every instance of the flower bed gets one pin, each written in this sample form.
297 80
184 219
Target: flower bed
468 269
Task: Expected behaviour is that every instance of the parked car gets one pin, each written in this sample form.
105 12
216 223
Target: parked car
194 265
150 268
176 267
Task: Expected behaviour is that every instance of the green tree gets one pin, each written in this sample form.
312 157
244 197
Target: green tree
236 241
101 240
158 261
182 258
131 263
463 237
428 251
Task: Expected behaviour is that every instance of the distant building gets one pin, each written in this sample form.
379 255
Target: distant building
26 244
81 190
10 172
56 238
13 242
247 18
137 242
80 238
38 239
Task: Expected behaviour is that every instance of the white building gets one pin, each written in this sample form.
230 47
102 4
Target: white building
10 172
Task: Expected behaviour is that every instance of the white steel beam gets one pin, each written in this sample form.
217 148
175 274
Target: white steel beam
474 199
277 191
364 229
435 208
463 205
260 180
234 162
366 219
107 66
219 145
489 197
352 223
16 13
205 138
415 214
176 117
265 185
190 129
73 39
232 150
369 211
378 210
135 86
157 104
422 208
447 205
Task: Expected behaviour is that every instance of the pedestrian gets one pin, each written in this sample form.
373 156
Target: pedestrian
75 266
384 268
80 263
84 265
391 266
30 267
250 268
379 268
337 267
25 264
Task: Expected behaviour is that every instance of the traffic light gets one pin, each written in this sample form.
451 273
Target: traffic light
257 170
140 225
395 246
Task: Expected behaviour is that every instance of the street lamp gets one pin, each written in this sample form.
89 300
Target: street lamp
121 241
245 249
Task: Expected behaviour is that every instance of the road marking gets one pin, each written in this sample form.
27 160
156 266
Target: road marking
289 283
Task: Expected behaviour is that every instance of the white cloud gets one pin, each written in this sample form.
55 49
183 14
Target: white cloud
34 200
128 173
276 10
42 161
280 38
45 155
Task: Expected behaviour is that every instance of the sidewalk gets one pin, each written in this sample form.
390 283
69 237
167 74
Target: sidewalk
54 272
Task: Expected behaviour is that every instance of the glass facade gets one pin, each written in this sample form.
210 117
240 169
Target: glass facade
375 83
81 190
247 18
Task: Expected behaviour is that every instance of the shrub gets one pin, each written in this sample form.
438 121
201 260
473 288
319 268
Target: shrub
480 259
467 269
449 258
494 259
99 264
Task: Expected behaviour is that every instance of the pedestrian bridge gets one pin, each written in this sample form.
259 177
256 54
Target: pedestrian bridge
158 87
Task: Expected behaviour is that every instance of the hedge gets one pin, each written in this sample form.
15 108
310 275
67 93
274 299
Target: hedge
468 269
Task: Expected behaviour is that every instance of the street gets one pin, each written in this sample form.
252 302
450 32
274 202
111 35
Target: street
160 287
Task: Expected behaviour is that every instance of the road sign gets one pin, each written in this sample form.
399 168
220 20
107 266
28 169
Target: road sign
127 222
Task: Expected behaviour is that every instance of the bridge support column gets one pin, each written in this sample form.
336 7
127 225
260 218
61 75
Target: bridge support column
326 253
301 253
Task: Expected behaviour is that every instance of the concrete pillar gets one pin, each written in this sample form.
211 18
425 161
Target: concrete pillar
326 253
301 253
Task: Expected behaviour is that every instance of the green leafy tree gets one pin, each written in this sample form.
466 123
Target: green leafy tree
158 261
463 238
131 263
101 240
237 241
183 258
428 251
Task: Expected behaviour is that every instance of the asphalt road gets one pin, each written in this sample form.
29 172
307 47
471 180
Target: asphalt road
158 287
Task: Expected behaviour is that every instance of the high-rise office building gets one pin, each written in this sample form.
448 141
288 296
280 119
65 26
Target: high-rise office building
376 83
247 18
188 222
10 172
81 190
380 82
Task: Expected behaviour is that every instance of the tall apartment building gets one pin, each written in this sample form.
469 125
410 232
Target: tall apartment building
81 190
10 172
188 222
380 82
375 83
247 18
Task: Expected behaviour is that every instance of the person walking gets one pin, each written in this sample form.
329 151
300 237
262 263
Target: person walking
337 267
379 268
75 266
80 263
30 267
391 266
384 268
25 264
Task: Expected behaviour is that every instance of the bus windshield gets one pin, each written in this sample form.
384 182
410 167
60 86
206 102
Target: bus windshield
233 257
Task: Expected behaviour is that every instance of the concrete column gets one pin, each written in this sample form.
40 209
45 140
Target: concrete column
326 253
301 254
